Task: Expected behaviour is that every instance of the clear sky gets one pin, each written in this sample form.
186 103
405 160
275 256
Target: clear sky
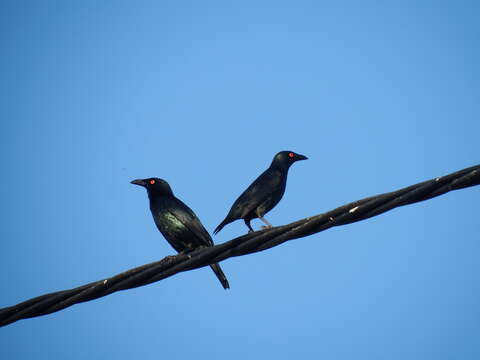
379 95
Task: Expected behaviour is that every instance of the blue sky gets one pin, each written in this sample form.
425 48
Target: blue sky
378 95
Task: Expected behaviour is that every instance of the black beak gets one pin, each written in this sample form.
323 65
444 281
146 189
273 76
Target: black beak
139 182
300 157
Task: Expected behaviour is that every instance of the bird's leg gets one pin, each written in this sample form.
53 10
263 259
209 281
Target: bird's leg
265 221
247 222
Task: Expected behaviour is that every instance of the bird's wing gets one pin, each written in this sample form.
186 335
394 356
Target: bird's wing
260 190
188 218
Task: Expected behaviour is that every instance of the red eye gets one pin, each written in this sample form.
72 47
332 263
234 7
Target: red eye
291 155
152 182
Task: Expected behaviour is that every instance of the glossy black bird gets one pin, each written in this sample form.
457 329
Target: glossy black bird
177 222
264 193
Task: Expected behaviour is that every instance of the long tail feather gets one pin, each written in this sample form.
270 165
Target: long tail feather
222 224
220 275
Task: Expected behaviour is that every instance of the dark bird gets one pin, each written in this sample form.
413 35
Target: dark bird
264 193
177 222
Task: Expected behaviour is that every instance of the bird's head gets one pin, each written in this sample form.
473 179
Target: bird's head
284 159
154 186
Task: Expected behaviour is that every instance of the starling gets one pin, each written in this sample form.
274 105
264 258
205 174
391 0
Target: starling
264 193
177 222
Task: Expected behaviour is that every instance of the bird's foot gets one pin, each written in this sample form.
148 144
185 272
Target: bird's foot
266 227
168 259
185 252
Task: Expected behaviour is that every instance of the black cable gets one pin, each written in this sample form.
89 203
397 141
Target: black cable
246 244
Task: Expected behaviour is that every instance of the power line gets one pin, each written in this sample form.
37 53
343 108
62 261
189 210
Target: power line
246 244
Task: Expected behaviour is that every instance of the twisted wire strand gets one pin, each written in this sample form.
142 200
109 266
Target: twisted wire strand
243 245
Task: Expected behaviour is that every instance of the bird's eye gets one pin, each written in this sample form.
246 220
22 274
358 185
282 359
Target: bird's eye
152 181
291 155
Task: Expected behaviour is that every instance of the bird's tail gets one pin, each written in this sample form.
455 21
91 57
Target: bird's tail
220 275
222 224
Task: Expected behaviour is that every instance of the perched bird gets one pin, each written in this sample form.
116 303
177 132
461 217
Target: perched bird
177 222
264 193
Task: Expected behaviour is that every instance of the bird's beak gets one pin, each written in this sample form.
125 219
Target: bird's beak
139 182
300 157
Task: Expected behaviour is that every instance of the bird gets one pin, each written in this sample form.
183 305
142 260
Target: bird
177 222
264 193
